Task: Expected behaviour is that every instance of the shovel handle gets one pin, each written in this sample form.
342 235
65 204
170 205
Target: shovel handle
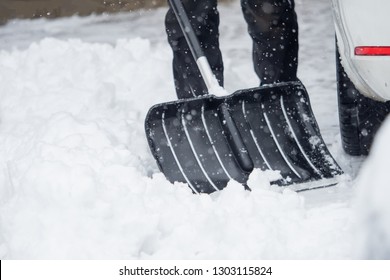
193 43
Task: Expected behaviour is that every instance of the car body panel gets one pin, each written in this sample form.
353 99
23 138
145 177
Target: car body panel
364 23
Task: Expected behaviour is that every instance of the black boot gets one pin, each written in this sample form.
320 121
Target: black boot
273 26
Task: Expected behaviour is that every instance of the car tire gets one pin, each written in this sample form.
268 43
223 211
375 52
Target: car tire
360 117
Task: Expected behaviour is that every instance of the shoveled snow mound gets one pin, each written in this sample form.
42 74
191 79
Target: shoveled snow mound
373 204
77 179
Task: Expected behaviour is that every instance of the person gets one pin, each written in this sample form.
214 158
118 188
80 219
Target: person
272 25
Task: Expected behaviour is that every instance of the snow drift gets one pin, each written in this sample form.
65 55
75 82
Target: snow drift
78 181
373 199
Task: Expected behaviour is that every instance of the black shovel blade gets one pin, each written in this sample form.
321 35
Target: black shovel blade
281 133
207 141
194 142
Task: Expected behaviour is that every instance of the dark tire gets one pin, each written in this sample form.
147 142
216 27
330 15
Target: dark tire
360 117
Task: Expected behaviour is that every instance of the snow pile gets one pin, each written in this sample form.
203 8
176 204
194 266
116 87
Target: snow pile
72 117
77 179
373 199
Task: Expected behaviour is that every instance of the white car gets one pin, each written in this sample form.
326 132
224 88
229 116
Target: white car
363 70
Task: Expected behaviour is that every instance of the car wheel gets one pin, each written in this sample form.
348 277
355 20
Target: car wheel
360 117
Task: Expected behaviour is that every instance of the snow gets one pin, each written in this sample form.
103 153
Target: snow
373 190
77 180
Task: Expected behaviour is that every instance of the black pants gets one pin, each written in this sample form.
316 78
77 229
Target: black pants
272 25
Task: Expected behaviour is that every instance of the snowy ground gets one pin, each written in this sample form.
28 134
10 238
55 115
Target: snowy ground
77 180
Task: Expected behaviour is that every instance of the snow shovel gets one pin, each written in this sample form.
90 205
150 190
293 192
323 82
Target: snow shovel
209 140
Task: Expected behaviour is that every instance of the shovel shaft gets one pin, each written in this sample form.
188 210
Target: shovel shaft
193 43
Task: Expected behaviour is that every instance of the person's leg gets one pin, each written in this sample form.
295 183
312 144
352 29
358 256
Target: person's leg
205 20
273 26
